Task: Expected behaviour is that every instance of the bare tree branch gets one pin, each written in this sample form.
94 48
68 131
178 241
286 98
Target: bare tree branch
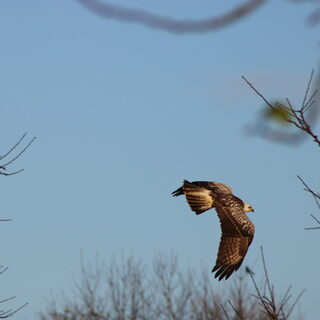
9 313
224 311
171 25
4 314
296 117
10 150
316 197
269 306
3 167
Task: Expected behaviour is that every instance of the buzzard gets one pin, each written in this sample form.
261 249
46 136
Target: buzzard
237 230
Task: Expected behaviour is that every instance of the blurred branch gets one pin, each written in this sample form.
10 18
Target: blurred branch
296 117
313 18
171 25
3 167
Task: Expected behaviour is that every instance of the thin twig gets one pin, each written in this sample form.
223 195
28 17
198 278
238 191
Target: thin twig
259 296
308 189
224 311
285 299
19 141
297 116
315 218
266 273
236 311
314 228
310 101
267 300
20 153
10 173
308 88
257 92
295 302
10 312
316 197
3 167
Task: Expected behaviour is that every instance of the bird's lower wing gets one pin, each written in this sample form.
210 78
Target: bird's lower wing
232 250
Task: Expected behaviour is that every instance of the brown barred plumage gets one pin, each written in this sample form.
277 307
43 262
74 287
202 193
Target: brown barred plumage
237 230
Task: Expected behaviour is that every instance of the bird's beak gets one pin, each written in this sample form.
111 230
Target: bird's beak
252 210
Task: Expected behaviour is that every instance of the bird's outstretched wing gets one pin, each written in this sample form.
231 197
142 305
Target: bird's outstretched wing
237 235
199 198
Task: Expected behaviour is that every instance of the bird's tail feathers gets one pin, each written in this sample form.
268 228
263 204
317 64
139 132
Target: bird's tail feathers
178 192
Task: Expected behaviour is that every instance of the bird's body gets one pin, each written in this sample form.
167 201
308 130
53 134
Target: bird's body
237 229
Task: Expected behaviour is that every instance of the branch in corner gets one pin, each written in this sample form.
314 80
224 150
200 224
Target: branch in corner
295 116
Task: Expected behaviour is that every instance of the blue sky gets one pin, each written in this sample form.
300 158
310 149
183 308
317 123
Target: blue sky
123 114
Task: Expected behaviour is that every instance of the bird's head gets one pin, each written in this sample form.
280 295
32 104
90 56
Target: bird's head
248 208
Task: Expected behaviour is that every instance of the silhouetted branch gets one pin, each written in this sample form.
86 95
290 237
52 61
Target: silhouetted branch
10 150
316 197
296 117
224 311
171 25
4 314
269 306
10 312
3 167
239 314
314 228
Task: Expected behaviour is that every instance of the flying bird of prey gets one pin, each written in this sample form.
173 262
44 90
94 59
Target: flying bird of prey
237 230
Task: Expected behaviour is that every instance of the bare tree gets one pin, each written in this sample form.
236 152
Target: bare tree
163 292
